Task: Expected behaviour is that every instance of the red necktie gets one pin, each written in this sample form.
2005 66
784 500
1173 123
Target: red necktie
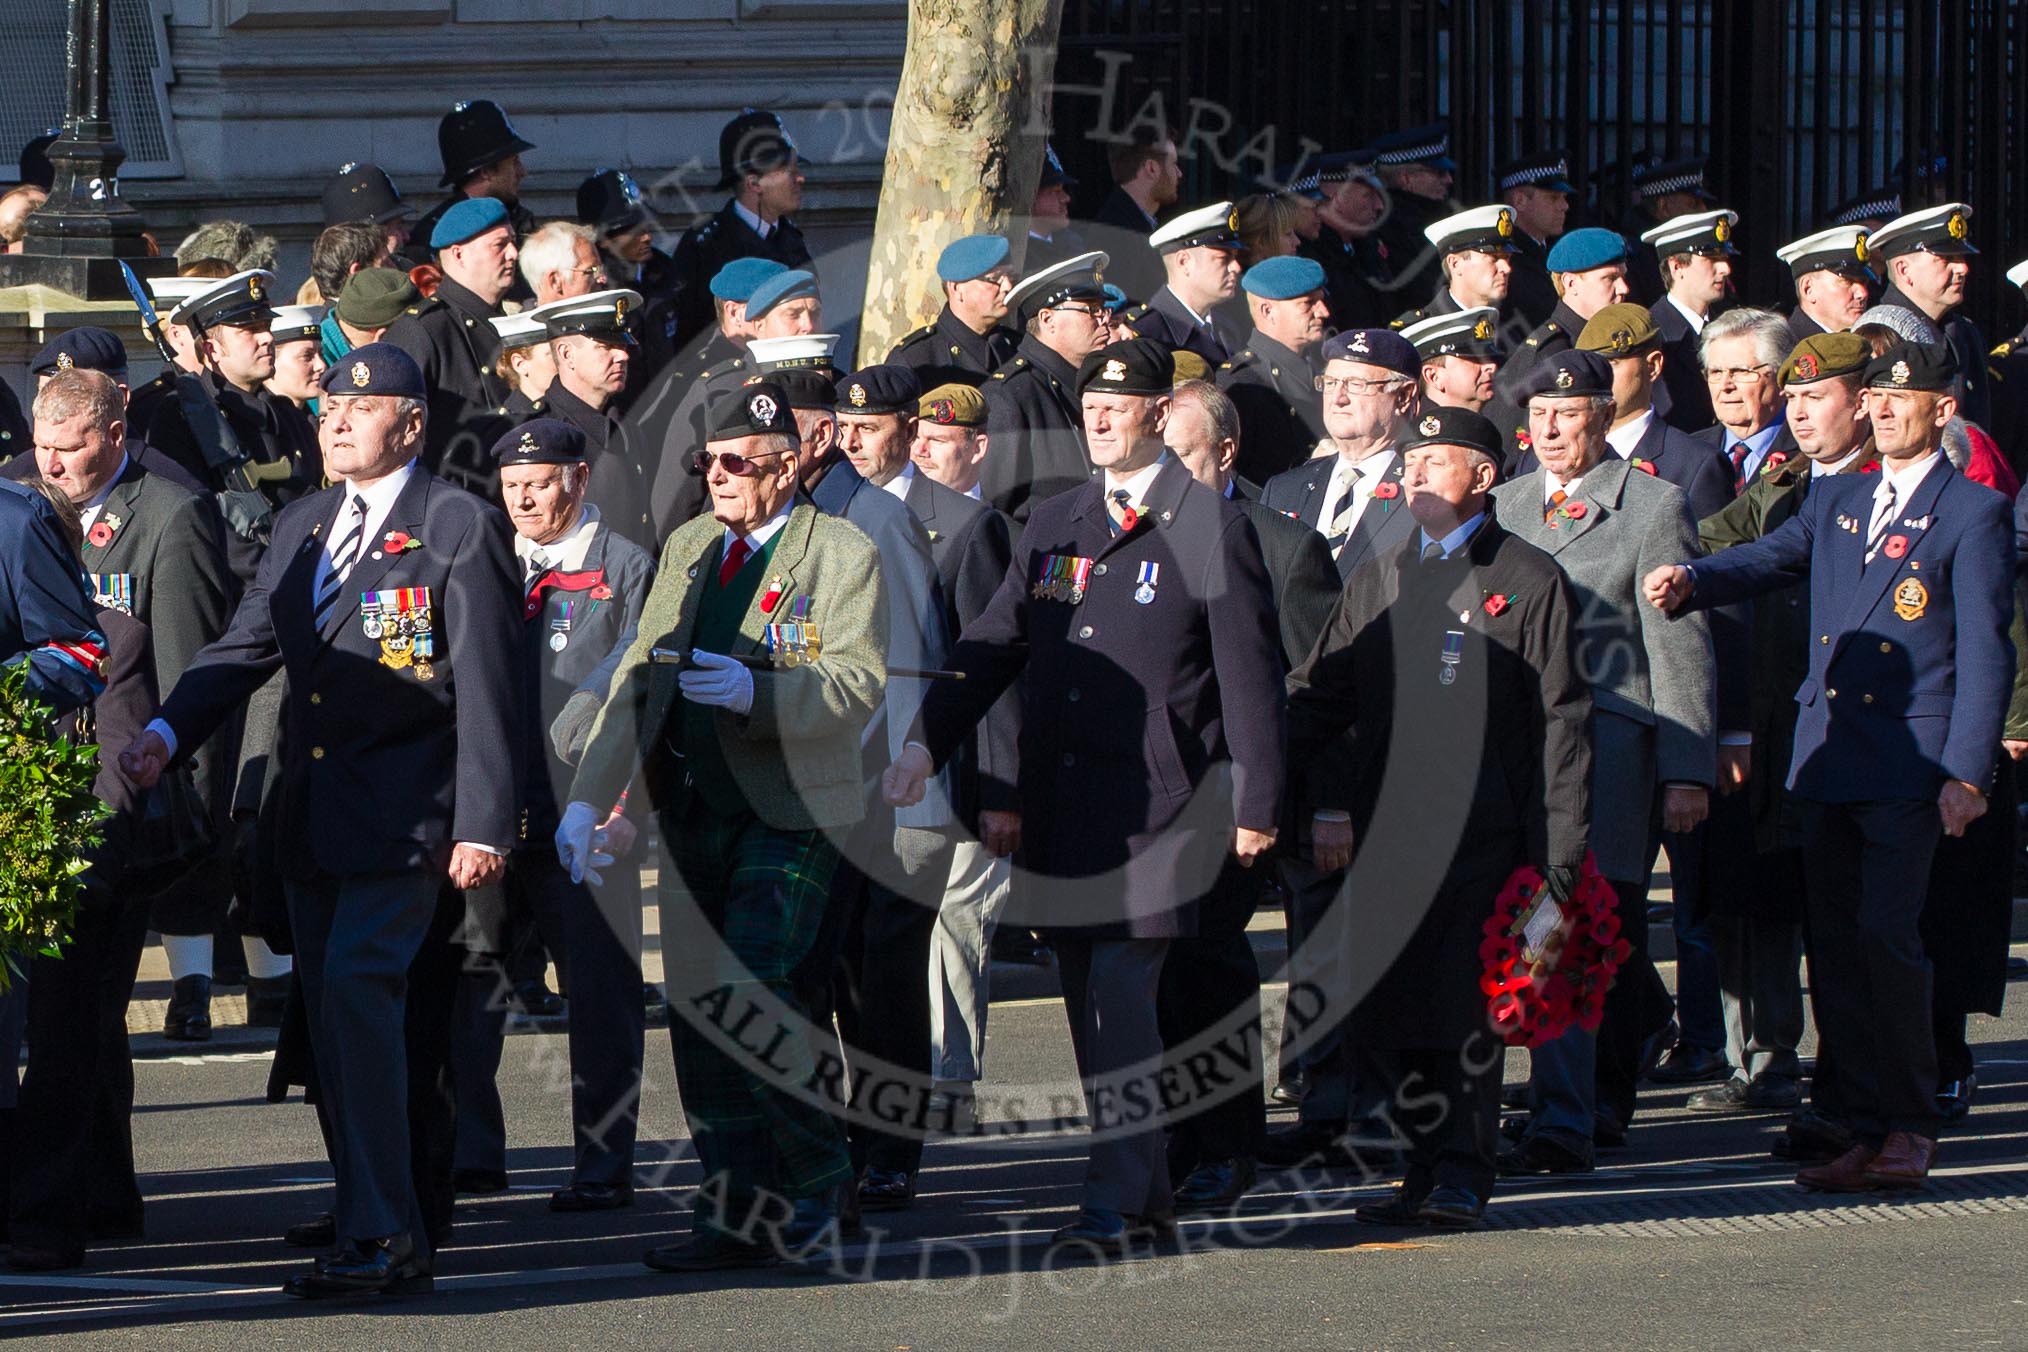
1740 450
734 557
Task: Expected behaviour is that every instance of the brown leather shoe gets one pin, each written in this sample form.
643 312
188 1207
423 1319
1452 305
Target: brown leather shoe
1850 1172
1903 1162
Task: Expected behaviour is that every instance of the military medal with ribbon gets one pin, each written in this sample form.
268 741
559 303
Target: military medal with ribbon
1063 578
1454 653
559 638
113 591
1144 585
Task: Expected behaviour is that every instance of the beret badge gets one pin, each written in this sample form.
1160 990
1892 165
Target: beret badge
943 411
1806 366
857 394
64 362
762 408
1115 369
1899 374
1431 425
362 375
1564 379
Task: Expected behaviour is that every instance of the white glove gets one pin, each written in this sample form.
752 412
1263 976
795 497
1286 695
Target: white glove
716 680
578 839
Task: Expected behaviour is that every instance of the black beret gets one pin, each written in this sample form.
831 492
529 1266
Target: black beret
376 368
880 389
542 441
1912 366
85 349
1130 366
1438 426
759 409
1567 375
806 388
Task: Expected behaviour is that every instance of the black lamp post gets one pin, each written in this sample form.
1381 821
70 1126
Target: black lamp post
77 236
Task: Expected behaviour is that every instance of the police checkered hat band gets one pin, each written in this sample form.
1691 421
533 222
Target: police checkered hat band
1557 170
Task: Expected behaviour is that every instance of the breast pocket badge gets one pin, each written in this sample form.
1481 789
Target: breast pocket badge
1911 598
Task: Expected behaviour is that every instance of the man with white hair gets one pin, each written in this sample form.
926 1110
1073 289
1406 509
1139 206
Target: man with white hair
1739 355
561 260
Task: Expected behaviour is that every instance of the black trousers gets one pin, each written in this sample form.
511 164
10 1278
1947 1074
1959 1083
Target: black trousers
1447 1105
1636 1008
1868 868
71 1160
1212 981
426 1037
879 925
608 1021
1345 1081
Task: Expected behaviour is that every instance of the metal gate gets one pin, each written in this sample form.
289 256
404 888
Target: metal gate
1800 104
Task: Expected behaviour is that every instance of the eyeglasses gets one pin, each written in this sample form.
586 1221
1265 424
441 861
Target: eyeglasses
1354 386
741 465
1097 314
1737 375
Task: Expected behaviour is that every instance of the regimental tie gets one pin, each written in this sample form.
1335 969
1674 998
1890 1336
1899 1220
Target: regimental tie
1340 524
1883 517
342 559
735 556
1119 508
1556 499
1740 450
538 564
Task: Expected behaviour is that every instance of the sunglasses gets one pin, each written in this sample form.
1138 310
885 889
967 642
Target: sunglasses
741 465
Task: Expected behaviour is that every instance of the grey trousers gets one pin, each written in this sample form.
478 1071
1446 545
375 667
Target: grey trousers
1760 991
1109 990
355 939
959 963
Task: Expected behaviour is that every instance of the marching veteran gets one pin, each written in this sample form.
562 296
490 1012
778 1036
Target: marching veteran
748 747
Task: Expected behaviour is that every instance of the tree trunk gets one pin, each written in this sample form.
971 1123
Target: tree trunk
964 148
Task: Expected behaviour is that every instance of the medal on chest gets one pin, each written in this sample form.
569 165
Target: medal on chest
1454 653
794 641
402 621
1062 577
113 591
1144 585
559 625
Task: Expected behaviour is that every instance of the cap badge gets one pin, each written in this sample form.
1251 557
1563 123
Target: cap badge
460 106
362 375
253 287
1358 343
1115 370
63 361
1564 379
1722 231
1505 224
1900 373
1482 330
1806 366
1098 277
620 309
857 394
1623 340
1859 247
762 408
529 445
1431 425
1956 225
1232 222
348 167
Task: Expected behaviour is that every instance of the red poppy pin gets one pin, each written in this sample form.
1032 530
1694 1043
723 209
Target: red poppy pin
1894 546
1495 603
1775 460
1873 468
772 597
601 592
396 541
1386 490
1645 466
100 534
1573 510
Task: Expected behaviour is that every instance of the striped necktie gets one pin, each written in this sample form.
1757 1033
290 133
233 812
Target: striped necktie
342 558
1342 513
1883 517
1556 500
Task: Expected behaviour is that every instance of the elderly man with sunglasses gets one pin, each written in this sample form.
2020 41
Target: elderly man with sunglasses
747 745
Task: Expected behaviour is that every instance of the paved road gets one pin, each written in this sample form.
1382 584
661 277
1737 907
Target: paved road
1691 1235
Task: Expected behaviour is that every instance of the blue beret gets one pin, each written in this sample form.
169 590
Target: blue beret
1567 375
541 441
972 257
737 279
880 389
1116 299
376 368
1375 347
1583 250
86 349
468 219
1283 278
787 285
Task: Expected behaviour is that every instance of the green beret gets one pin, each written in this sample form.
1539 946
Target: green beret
1619 330
1822 356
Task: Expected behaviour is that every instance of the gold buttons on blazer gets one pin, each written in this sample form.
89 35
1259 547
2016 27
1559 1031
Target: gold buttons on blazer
316 698
316 753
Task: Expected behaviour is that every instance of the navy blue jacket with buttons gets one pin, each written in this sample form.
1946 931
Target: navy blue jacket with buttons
1910 664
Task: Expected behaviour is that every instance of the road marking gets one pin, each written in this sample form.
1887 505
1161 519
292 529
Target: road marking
156 1286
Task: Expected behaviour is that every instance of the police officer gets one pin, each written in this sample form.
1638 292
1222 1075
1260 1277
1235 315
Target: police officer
1538 187
364 193
1911 576
759 162
1926 259
1695 256
610 202
1201 266
1416 167
593 344
1135 681
1272 381
481 154
1358 265
967 341
451 337
388 598
1475 250
1834 283
1032 417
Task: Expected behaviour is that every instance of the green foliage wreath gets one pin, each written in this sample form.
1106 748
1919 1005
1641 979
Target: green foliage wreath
49 818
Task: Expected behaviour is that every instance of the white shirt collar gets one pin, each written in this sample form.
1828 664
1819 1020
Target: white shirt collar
88 515
1550 483
380 498
567 552
1906 481
764 532
1136 483
1452 542
753 220
1375 464
1697 321
1202 319
974 494
898 485
1628 434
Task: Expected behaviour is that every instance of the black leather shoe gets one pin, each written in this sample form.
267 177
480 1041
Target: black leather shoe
1685 1064
365 1267
1729 1097
1520 1095
189 1015
710 1251
592 1197
478 1182
1454 1208
886 1190
1811 1137
1606 1128
831 1215
536 1000
1216 1186
1768 1092
1954 1097
1539 1154
29 1258
1290 1088
319 1232
1105 1233
266 998
1320 1145
1403 1207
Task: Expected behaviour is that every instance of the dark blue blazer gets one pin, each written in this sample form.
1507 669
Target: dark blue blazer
382 769
1911 667
1299 494
46 615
